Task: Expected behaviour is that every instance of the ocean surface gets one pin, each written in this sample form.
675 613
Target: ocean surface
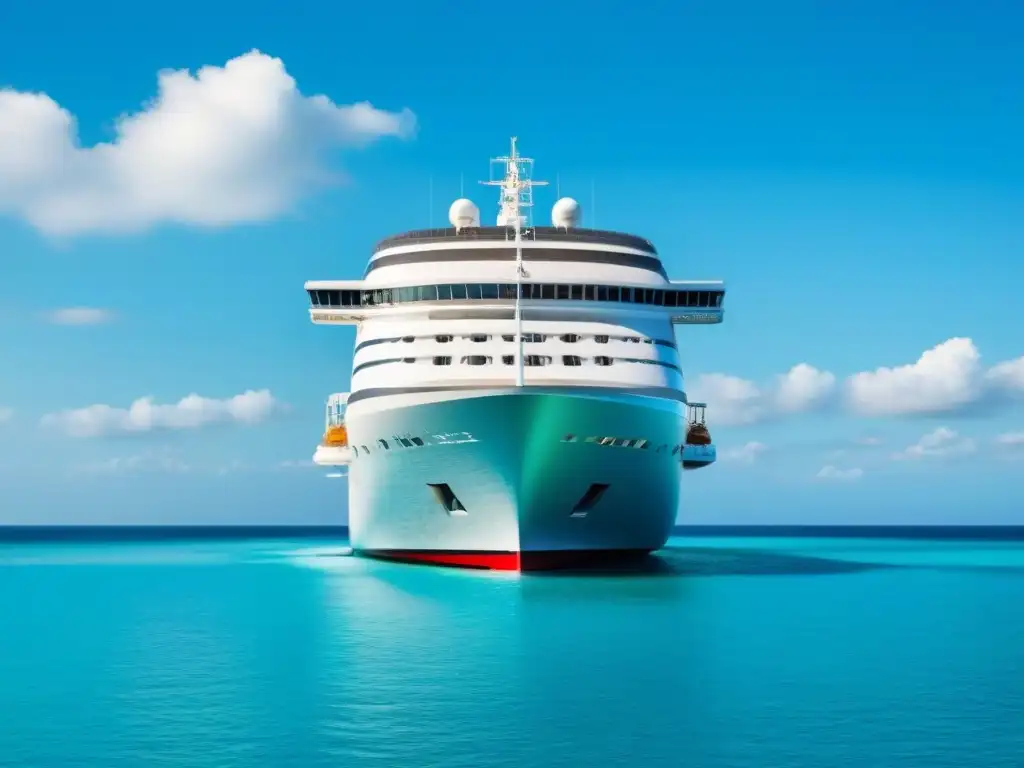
278 648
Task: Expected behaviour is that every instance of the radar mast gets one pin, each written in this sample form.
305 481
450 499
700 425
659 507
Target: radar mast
515 201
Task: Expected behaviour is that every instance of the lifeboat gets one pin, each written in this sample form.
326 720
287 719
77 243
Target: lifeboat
336 436
698 434
698 450
334 450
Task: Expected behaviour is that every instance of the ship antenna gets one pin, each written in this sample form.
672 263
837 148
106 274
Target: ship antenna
515 201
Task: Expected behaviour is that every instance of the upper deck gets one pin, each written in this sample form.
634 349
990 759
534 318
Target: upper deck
598 237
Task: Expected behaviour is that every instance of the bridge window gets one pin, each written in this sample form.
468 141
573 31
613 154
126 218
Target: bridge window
384 297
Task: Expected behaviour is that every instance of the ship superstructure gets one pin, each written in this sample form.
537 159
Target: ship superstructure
517 397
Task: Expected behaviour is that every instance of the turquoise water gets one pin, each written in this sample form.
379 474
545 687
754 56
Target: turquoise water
734 652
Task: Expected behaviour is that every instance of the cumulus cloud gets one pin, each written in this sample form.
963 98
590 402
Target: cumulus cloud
237 143
938 443
144 415
829 472
942 379
804 387
745 454
732 400
947 378
80 316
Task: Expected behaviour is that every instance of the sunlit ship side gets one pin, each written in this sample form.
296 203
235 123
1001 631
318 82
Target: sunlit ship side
517 399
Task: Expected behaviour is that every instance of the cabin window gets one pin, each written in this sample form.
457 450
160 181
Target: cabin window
458 292
534 338
576 292
508 359
444 339
408 339
537 360
603 360
383 444
417 441
508 337
572 360
476 360
408 359
478 337
442 360
569 338
601 339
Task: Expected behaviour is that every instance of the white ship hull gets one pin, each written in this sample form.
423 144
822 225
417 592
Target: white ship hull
506 456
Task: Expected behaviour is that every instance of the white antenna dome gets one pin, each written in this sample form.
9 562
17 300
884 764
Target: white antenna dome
566 213
464 214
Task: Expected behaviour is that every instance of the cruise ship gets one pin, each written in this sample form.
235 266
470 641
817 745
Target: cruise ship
517 397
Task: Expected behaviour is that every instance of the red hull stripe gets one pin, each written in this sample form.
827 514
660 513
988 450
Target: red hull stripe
509 561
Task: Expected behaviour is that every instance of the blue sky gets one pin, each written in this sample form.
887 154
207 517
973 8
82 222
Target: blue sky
856 176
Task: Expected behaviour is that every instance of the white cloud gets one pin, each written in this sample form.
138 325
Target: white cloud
6 414
80 316
804 387
1007 376
1011 440
746 454
868 441
829 472
237 143
938 443
144 415
946 378
732 400
943 379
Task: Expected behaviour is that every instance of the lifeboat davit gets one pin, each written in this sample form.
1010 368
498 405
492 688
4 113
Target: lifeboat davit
334 450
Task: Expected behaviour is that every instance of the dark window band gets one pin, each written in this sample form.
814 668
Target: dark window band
386 297
562 255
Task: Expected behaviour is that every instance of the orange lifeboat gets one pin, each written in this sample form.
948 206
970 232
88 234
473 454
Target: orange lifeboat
336 436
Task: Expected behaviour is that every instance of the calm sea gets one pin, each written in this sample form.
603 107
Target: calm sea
276 648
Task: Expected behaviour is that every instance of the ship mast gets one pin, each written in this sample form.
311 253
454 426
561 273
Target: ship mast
516 198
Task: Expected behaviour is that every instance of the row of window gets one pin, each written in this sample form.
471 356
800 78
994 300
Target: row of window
622 442
535 361
450 438
530 338
385 297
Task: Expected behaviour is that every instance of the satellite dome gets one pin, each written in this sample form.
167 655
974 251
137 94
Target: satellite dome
566 213
464 214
